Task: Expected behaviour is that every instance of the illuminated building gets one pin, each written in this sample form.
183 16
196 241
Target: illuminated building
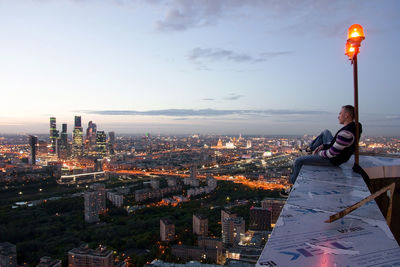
192 180
219 144
101 143
8 255
232 229
230 145
274 206
53 135
225 214
63 143
248 145
116 199
98 165
260 219
200 225
167 230
194 253
91 135
77 138
95 203
211 182
85 257
111 142
49 262
209 242
193 172
33 144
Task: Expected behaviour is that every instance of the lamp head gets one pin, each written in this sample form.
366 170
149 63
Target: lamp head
355 34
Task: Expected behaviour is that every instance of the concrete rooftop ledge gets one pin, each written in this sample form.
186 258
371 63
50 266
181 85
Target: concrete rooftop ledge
302 238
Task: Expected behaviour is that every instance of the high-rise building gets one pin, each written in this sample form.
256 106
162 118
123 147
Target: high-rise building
225 214
91 136
49 262
211 182
232 230
192 180
98 165
101 143
95 202
116 199
78 122
274 206
111 142
167 230
77 138
193 172
85 257
63 147
53 135
8 255
200 225
260 219
33 144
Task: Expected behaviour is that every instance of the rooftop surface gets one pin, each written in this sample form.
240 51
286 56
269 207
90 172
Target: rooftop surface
302 238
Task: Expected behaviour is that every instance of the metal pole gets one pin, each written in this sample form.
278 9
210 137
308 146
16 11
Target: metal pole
356 149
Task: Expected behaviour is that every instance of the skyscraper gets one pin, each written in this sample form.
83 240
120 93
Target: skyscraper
53 135
232 229
91 132
101 143
77 138
33 144
63 143
111 142
78 122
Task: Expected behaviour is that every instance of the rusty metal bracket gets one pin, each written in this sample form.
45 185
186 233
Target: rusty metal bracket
355 206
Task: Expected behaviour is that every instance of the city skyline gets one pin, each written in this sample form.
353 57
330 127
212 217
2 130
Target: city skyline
223 67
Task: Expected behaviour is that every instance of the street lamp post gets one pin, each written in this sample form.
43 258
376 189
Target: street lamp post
355 36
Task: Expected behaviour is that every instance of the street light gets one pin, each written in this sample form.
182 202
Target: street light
355 36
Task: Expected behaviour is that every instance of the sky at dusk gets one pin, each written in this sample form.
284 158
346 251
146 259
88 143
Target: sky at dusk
197 66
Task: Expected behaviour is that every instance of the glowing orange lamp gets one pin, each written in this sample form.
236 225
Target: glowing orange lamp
355 35
350 50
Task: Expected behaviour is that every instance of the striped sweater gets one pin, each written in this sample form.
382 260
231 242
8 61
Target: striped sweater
342 146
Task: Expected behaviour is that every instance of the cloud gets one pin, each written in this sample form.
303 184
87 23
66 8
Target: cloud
185 14
233 97
181 113
392 117
182 15
199 55
218 54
